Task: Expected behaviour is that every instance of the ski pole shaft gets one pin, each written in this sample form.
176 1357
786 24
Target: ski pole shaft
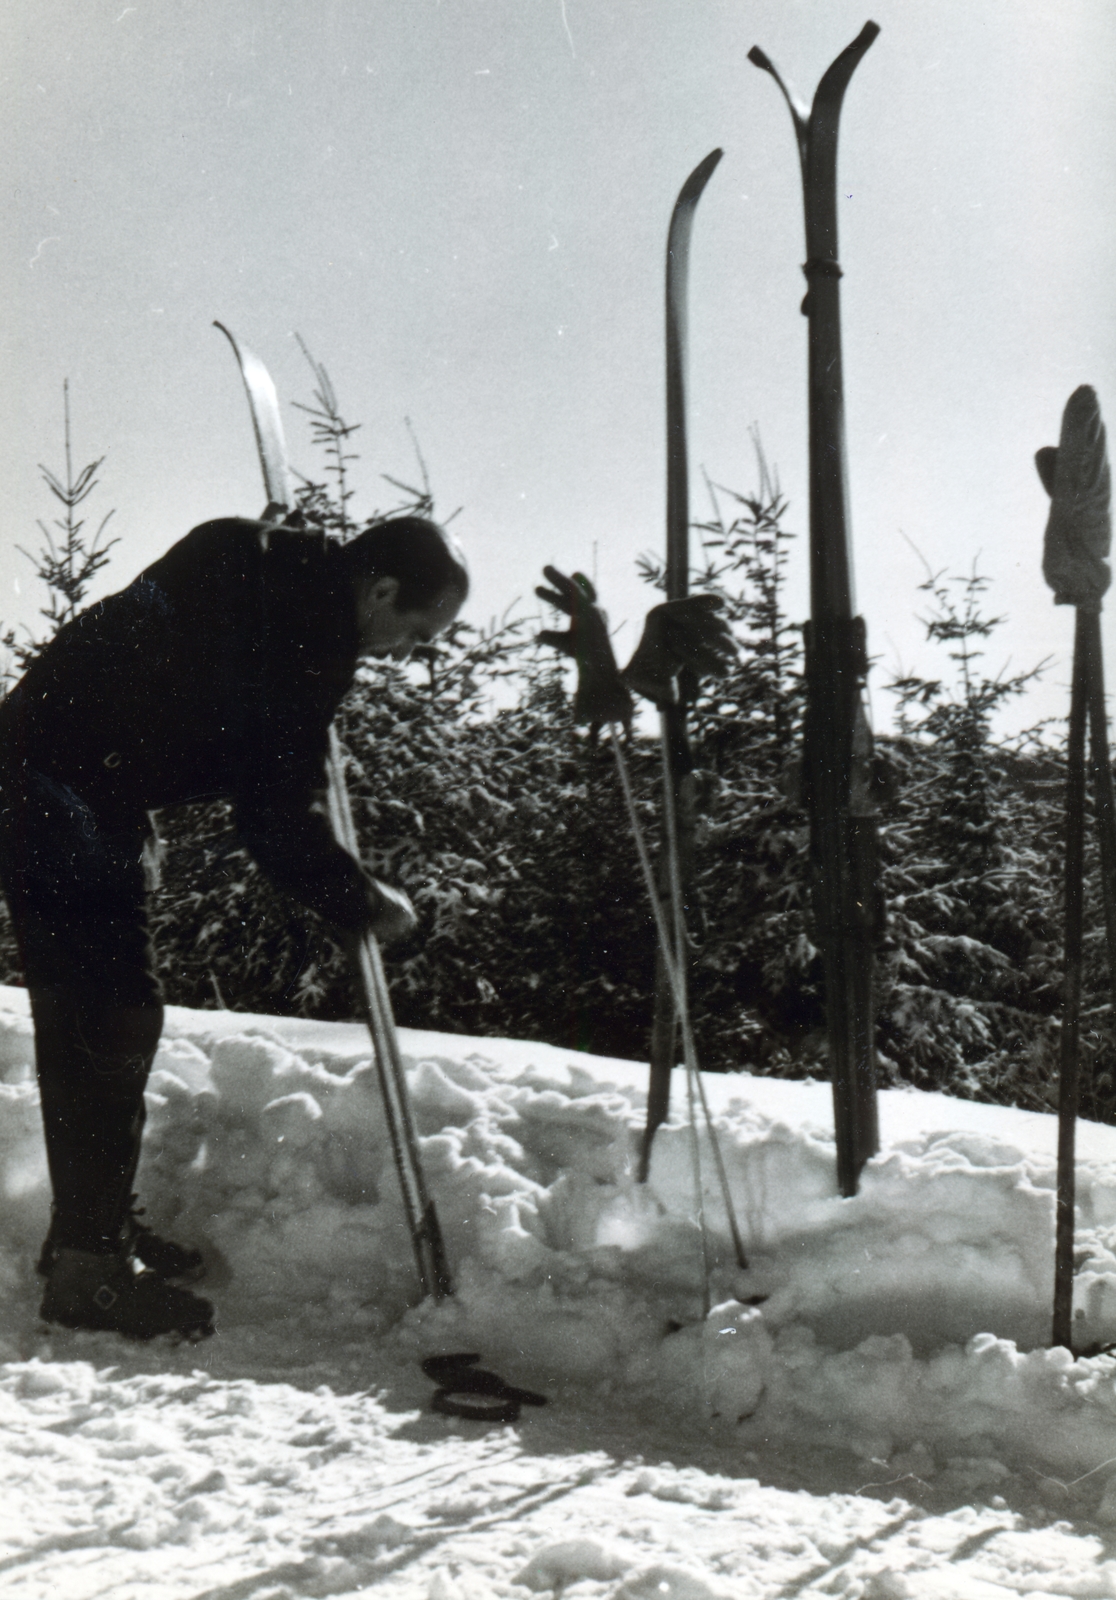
682 1008
1068 1083
681 943
661 926
1103 800
699 1194
677 985
422 1218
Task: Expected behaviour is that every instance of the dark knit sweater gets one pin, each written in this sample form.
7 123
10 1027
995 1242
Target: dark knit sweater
215 673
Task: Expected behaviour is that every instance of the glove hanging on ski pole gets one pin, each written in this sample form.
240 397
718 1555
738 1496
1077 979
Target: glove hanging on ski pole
602 695
1077 478
682 641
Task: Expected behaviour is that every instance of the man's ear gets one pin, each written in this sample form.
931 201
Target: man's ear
382 592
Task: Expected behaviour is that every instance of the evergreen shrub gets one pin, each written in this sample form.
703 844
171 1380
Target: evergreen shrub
473 790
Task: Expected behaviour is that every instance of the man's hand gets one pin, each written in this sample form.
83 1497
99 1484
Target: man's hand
393 915
601 693
687 637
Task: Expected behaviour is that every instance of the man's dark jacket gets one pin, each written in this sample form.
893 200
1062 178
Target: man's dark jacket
216 673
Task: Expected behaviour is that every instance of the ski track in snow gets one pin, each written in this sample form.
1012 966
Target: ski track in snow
183 1485
885 1426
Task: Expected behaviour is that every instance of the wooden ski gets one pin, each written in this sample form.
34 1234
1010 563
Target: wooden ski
837 766
677 763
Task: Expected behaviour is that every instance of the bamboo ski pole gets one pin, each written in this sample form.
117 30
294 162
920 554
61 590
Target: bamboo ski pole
1104 801
1077 478
837 753
676 979
1068 1080
682 996
422 1218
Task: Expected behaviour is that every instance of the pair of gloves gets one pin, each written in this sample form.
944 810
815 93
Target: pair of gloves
683 640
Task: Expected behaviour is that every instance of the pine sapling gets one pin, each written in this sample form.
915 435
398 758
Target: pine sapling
71 558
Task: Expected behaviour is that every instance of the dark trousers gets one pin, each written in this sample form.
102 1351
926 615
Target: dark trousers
76 891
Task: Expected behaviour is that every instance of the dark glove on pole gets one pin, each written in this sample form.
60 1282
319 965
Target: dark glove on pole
602 695
687 639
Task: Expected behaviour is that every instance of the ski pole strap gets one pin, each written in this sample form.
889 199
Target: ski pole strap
822 267
817 267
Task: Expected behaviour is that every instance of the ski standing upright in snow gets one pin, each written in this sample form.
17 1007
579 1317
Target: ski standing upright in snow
678 801
838 767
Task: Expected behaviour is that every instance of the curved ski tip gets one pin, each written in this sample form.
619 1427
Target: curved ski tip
758 59
704 169
691 190
867 36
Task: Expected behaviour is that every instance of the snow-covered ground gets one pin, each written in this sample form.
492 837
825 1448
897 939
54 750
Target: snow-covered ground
868 1410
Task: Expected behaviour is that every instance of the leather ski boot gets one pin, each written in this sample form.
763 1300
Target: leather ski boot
166 1257
104 1294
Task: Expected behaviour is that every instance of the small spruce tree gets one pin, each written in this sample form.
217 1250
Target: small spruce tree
71 556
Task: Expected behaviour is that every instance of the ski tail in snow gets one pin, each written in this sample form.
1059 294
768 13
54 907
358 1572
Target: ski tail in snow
422 1218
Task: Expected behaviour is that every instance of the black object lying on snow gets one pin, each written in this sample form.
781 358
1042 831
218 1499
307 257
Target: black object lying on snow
466 1390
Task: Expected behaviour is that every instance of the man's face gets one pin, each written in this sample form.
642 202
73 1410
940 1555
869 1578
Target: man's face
387 631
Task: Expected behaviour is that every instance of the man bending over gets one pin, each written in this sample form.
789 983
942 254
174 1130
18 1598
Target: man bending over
215 674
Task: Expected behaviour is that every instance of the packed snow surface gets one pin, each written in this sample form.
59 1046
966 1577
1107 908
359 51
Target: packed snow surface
868 1409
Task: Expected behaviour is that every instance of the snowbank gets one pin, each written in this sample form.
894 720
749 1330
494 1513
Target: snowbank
907 1323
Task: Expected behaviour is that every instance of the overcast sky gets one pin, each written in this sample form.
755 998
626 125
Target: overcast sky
462 206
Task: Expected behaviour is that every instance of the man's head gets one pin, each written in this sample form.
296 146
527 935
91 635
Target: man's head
409 581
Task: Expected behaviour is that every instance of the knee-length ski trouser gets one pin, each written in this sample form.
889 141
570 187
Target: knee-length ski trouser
76 890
